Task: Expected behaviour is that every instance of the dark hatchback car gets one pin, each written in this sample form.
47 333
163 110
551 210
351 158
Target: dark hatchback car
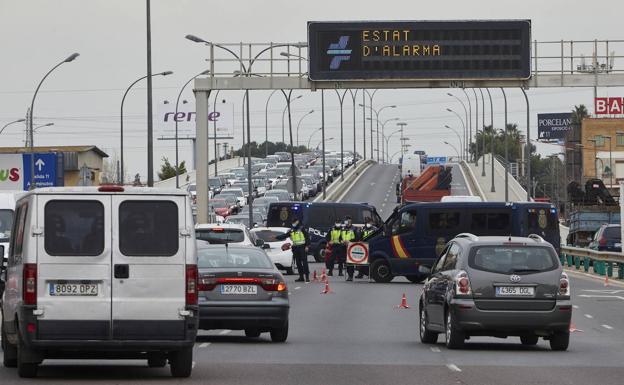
607 238
241 289
496 286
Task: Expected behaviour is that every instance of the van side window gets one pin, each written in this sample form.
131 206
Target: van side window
353 212
491 223
148 228
405 224
74 228
320 216
17 242
443 221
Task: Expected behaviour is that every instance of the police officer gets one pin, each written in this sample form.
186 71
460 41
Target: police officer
333 240
348 235
300 242
368 229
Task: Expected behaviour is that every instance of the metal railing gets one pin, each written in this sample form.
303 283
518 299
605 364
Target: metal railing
598 262
564 57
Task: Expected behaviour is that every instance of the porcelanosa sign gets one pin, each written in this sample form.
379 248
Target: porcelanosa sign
553 126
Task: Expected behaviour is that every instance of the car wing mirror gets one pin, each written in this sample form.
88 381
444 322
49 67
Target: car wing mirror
259 243
266 246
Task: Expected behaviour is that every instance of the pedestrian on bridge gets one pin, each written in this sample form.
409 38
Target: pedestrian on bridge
348 235
369 228
300 241
334 248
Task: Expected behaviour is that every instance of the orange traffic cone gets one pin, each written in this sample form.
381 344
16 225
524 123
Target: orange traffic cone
573 328
323 276
327 290
314 277
606 282
403 304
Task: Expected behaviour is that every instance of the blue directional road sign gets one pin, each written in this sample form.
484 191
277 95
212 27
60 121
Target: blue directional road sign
48 170
436 159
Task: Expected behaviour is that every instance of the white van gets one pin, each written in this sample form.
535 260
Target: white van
411 165
108 272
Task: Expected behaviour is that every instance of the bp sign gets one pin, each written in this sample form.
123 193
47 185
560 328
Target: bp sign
425 50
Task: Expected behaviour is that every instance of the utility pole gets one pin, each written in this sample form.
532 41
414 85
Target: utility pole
150 123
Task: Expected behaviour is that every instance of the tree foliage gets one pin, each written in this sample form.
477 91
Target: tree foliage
167 170
259 150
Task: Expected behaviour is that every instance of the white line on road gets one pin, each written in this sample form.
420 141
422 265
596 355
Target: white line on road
224 332
607 327
298 287
383 204
575 306
435 349
204 345
589 316
453 367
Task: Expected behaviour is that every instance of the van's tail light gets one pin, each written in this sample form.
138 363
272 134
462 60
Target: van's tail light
30 284
462 284
286 246
191 285
564 285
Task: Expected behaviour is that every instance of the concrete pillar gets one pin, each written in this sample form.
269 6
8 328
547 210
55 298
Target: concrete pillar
201 125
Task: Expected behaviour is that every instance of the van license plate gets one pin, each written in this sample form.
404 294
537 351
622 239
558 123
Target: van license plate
239 289
511 291
74 289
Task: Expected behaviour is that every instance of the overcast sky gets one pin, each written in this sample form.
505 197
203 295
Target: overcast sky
83 98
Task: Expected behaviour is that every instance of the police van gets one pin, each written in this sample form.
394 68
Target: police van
416 234
319 218
101 272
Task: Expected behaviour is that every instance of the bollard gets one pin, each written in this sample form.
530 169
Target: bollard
577 262
586 264
597 267
610 269
562 259
620 270
569 260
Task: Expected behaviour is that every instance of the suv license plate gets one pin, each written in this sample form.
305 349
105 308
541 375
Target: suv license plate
74 289
239 289
515 291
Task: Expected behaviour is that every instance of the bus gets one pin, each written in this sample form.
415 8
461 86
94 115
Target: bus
416 234
319 218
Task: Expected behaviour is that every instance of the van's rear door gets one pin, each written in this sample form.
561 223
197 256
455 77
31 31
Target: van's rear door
149 247
74 266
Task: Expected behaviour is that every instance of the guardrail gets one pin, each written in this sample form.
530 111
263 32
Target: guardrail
601 262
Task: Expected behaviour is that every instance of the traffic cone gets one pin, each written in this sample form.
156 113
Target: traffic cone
314 277
403 304
606 281
323 276
573 328
327 290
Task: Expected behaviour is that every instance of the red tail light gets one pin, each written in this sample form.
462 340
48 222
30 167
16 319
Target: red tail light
564 285
191 285
286 246
30 284
273 284
462 284
110 188
602 241
207 284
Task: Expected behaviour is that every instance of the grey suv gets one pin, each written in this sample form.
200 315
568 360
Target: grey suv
496 286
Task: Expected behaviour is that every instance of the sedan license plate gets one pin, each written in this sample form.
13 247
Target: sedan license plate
515 291
239 289
74 289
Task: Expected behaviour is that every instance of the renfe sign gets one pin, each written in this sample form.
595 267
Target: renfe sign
609 106
419 50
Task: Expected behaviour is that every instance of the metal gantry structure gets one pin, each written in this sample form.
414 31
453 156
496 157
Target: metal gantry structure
283 66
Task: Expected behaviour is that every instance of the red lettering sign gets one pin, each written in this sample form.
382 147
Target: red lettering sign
609 106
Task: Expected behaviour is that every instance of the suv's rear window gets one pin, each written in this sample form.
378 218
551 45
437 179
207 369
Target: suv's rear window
148 228
238 259
220 235
513 259
74 228
612 232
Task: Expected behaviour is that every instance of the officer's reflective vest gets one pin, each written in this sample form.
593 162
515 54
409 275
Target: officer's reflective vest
366 233
348 235
335 235
297 237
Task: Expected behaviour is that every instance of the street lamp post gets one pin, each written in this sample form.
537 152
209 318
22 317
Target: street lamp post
370 105
468 139
388 143
506 150
610 161
476 127
311 135
321 141
299 124
266 125
13 122
465 113
454 148
284 113
402 125
464 150
383 129
456 133
121 123
527 149
175 119
341 100
70 58
482 132
492 187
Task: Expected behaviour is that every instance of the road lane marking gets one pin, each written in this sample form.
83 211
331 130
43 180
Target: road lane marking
575 306
383 204
435 349
298 287
204 345
607 327
224 332
589 316
453 367
602 296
